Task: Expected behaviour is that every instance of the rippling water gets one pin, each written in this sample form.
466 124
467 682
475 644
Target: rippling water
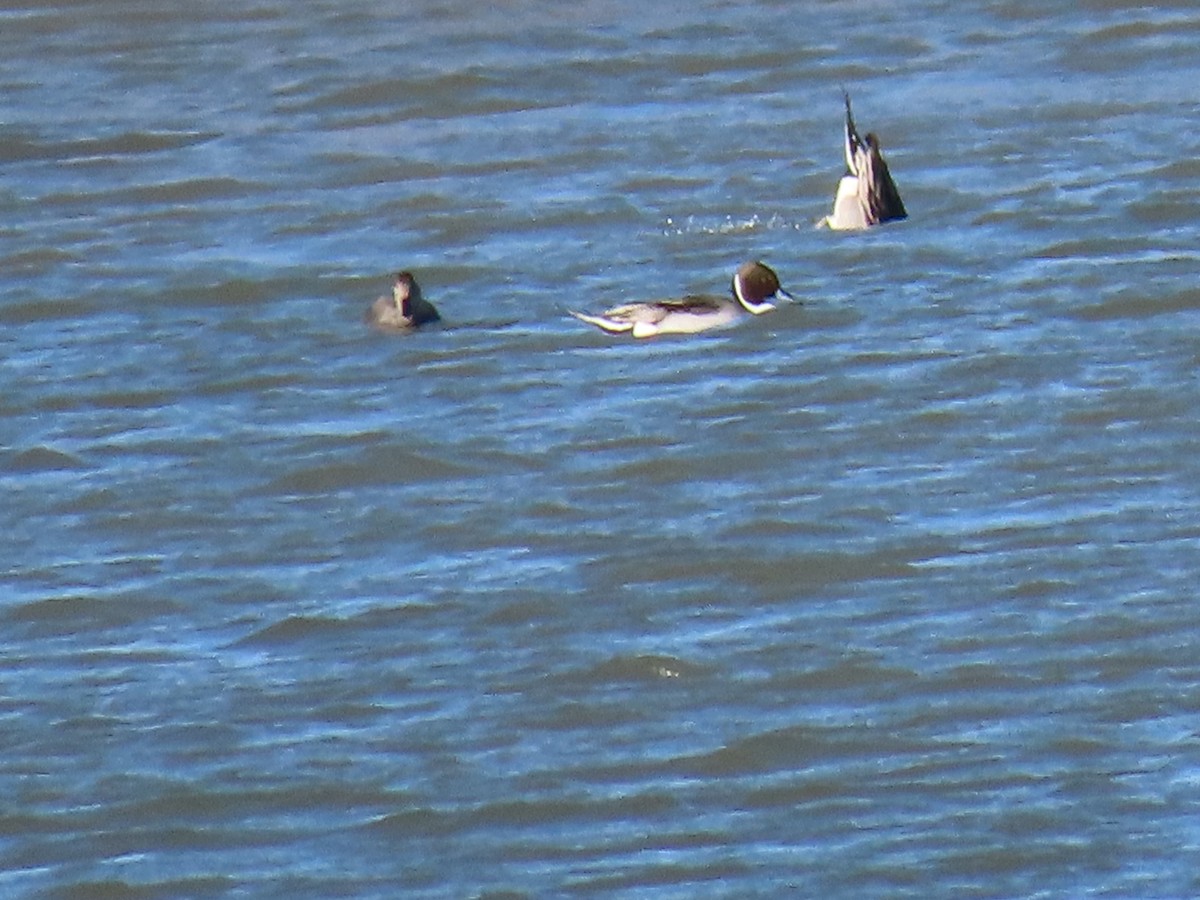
892 593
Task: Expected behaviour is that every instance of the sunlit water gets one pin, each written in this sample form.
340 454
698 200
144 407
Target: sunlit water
888 594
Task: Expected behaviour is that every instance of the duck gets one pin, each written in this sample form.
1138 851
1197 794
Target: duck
404 310
866 194
755 288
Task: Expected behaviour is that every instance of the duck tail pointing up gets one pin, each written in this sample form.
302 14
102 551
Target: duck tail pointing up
853 141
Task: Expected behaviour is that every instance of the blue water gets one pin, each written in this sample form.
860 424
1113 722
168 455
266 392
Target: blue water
887 594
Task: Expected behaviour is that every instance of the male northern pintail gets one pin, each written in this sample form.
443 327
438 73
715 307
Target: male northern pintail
866 195
404 309
755 288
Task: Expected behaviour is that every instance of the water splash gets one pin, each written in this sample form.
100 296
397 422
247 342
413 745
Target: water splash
691 225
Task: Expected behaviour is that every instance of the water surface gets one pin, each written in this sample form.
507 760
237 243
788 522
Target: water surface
891 593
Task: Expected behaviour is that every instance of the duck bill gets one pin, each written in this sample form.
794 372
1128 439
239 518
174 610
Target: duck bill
782 296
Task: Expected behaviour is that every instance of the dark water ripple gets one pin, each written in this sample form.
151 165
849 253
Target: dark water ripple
886 594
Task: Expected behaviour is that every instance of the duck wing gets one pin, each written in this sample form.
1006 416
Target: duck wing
692 304
878 193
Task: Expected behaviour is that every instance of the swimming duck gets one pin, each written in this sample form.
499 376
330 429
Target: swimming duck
405 309
755 289
866 195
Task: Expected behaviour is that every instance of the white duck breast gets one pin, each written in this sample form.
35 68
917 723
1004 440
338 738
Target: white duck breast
755 289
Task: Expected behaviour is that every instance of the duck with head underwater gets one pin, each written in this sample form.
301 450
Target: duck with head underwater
755 289
866 194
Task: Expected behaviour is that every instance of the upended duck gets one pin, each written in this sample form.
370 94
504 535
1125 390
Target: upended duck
755 289
405 309
866 194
